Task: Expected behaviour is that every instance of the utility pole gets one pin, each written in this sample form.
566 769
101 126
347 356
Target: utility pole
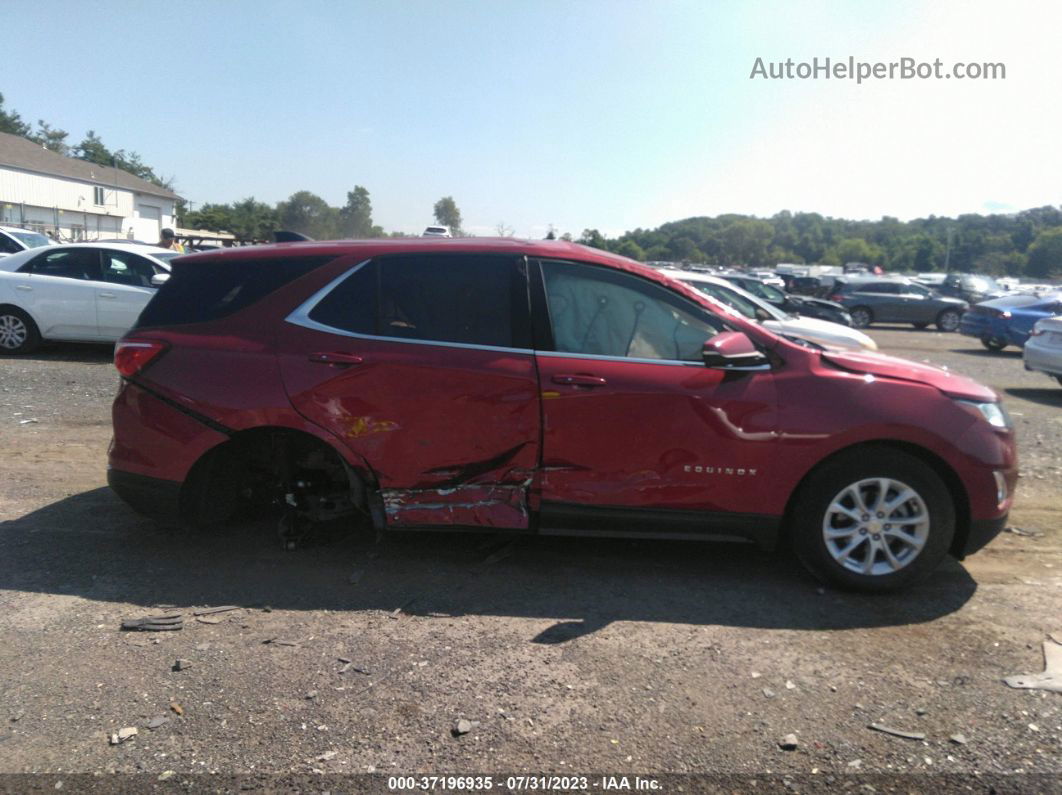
947 252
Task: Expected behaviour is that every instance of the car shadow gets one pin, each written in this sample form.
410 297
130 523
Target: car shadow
1045 397
92 546
1006 353
79 352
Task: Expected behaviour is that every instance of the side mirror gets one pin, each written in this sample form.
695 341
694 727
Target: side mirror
159 279
732 350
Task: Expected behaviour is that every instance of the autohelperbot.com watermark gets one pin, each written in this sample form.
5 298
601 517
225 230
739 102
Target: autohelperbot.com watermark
852 69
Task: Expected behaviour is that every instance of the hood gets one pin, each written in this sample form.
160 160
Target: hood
805 299
879 364
822 332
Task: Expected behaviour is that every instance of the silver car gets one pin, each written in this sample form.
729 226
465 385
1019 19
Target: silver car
1043 351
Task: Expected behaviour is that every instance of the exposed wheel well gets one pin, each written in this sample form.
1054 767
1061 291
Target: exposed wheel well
274 469
955 486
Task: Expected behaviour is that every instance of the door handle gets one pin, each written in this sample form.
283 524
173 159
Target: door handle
24 287
580 379
337 358
106 295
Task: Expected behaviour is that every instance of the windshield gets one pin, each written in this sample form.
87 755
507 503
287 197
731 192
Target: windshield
737 299
30 239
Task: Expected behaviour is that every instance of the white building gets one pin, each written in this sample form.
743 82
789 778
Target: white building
77 200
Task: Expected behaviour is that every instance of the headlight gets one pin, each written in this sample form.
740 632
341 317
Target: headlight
993 412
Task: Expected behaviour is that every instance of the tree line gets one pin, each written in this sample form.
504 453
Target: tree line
1028 243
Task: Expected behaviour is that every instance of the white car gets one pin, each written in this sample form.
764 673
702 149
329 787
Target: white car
1043 350
82 292
437 231
818 332
13 240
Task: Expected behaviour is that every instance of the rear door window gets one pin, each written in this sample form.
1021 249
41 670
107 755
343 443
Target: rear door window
81 263
465 299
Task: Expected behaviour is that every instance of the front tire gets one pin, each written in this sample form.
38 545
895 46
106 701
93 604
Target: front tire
861 317
873 520
18 332
948 320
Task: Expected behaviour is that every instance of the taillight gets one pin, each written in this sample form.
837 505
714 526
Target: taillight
836 298
132 357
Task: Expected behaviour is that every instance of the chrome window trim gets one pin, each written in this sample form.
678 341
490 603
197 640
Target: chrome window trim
301 317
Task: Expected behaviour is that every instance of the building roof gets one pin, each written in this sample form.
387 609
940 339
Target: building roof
23 153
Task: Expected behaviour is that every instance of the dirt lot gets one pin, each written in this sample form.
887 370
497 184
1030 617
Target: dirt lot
566 655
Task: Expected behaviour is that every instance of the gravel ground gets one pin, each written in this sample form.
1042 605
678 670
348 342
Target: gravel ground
564 655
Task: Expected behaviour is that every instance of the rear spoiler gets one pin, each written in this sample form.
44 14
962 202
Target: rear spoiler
283 236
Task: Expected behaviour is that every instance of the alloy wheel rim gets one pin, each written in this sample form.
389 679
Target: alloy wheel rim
13 332
861 317
950 321
876 526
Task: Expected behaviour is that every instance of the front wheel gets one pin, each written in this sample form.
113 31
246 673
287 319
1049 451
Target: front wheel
873 520
18 332
948 320
861 317
994 343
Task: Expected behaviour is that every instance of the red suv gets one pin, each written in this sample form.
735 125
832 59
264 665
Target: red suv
541 387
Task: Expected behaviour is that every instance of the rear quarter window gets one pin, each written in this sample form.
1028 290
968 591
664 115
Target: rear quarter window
199 291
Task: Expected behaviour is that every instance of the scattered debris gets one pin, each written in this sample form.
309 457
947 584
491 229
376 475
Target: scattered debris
755 674
280 642
311 695
209 611
165 775
462 726
1050 679
165 623
208 620
856 763
921 711
958 739
18 716
29 421
896 732
789 685
397 612
181 664
326 756
1021 531
788 743
344 660
157 721
768 693
120 736
177 708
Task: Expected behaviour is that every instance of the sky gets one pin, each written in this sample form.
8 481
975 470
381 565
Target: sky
605 114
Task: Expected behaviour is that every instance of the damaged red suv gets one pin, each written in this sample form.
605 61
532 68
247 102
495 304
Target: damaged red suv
541 387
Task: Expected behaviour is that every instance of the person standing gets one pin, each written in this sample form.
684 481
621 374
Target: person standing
169 240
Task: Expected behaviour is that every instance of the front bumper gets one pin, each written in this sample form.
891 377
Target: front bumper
981 532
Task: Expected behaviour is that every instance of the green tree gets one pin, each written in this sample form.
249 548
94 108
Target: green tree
854 249
628 248
308 214
1045 254
355 218
594 239
93 150
11 122
746 242
253 220
447 214
51 137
